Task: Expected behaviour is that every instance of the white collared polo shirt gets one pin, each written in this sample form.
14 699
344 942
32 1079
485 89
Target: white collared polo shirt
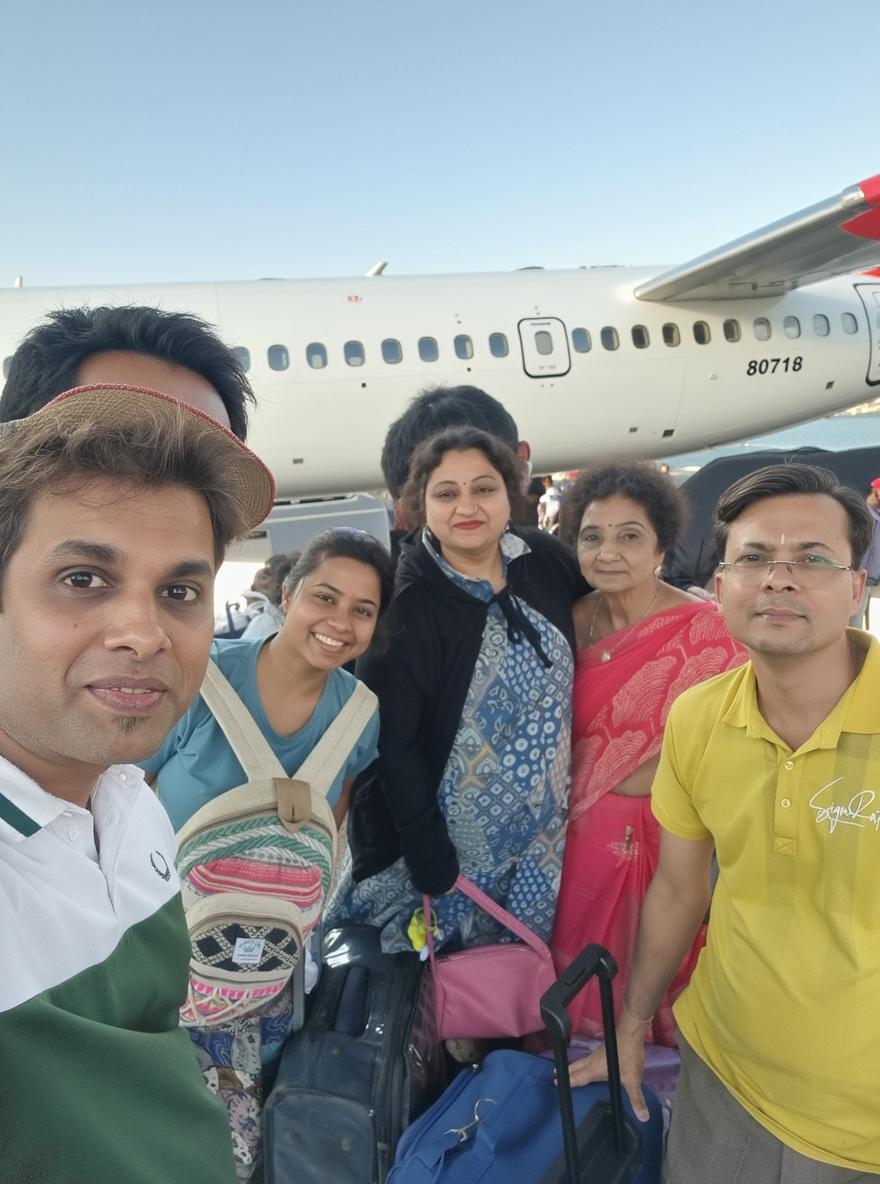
98 1082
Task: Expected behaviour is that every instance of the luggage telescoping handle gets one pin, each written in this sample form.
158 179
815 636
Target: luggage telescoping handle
594 960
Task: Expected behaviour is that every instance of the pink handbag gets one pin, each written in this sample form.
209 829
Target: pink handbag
494 990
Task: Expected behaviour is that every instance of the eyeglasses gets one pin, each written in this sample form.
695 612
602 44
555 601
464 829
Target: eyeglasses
810 572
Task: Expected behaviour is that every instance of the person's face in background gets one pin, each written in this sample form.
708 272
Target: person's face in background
263 581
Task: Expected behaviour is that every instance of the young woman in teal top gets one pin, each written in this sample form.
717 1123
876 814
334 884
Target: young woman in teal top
335 601
292 682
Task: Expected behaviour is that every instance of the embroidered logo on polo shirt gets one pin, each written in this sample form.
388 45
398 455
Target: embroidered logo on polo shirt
856 812
159 864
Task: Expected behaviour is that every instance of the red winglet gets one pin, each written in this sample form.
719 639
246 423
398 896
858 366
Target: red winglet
871 190
866 225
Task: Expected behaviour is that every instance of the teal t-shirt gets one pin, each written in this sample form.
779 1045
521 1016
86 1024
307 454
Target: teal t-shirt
195 763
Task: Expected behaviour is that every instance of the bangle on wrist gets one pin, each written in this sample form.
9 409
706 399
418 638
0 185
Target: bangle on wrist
633 1016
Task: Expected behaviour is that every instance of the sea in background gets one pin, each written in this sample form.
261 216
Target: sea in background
834 432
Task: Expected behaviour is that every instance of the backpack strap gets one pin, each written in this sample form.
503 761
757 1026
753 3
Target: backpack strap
250 746
320 768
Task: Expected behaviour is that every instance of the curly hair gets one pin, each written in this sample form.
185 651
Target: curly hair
655 492
428 456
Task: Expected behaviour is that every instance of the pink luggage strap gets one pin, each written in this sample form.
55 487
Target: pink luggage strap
502 916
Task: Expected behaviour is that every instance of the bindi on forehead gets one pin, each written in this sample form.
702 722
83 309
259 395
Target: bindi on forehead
614 525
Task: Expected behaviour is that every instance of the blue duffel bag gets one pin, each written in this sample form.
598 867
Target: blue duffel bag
502 1122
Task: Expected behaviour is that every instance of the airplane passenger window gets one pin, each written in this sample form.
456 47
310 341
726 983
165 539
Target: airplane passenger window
580 340
498 346
316 355
279 358
243 357
791 327
641 339
671 335
464 347
428 351
7 362
702 333
849 322
821 325
762 329
543 342
732 330
354 353
391 351
609 338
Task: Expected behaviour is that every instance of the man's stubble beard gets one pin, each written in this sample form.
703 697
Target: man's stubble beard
127 724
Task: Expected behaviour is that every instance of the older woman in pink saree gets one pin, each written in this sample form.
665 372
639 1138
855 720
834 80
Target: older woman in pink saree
641 642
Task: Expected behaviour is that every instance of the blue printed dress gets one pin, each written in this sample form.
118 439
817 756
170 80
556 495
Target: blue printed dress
504 791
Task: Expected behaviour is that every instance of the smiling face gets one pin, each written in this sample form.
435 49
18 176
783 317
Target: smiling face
105 627
332 612
617 545
778 614
466 504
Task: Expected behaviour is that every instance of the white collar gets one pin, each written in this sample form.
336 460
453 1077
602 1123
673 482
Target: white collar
26 808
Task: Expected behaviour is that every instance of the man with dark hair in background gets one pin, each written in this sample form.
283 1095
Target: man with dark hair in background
440 407
776 767
173 352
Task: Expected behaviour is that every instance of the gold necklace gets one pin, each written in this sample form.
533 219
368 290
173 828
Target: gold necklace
606 655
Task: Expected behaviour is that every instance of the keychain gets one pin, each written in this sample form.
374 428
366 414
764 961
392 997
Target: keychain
418 935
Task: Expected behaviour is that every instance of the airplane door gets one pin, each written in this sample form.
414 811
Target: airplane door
870 297
544 347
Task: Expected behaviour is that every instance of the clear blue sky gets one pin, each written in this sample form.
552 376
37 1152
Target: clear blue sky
190 140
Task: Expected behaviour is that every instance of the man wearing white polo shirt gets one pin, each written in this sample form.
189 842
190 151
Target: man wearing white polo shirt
116 505
777 766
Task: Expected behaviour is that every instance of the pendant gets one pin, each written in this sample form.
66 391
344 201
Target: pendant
605 656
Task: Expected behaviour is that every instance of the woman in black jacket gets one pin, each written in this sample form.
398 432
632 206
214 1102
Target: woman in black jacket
475 709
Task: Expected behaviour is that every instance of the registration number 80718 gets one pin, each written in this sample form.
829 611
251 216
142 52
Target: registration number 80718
771 365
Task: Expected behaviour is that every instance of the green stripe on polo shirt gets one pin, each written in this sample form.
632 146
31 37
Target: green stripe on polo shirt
17 819
99 1084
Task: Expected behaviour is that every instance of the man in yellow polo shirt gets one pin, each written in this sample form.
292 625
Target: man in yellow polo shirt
775 766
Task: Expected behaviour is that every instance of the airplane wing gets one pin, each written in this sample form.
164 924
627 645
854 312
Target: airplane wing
830 238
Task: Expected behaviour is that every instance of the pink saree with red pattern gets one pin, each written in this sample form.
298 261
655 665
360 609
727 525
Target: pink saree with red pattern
613 840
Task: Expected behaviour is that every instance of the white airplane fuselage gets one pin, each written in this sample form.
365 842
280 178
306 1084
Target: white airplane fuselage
321 429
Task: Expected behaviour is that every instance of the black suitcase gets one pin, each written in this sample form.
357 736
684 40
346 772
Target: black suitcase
607 1146
365 1063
